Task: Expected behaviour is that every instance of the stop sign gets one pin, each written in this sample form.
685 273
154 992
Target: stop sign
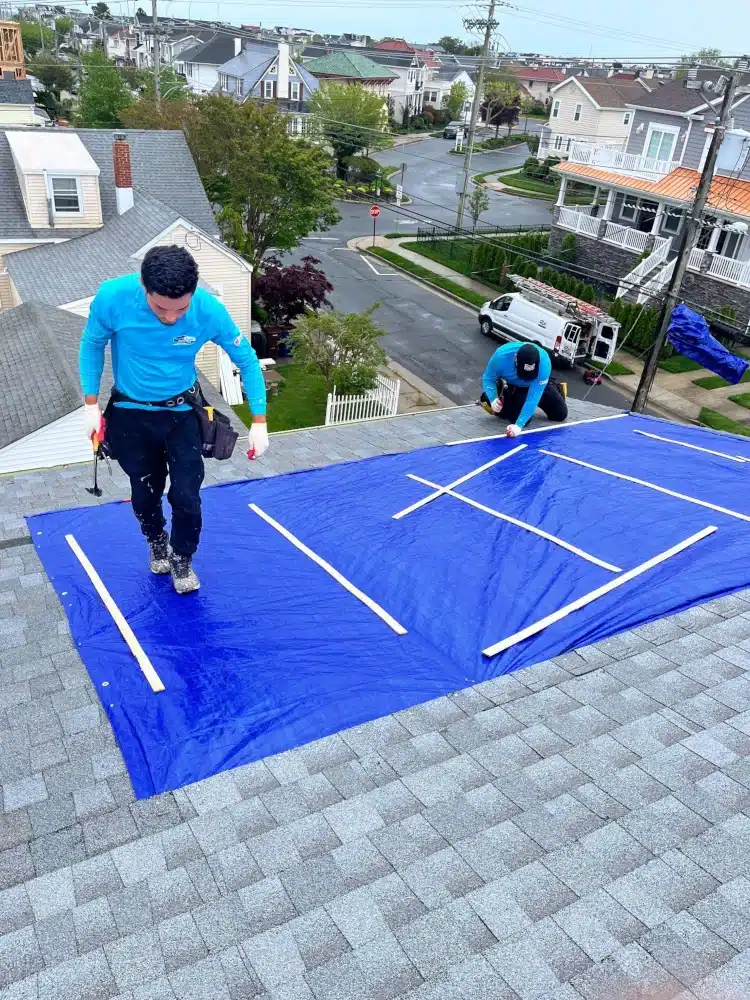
375 211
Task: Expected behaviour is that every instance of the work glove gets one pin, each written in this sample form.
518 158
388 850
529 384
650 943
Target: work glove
93 422
257 440
497 405
512 430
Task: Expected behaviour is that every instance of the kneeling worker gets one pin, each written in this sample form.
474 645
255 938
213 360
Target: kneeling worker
157 322
516 381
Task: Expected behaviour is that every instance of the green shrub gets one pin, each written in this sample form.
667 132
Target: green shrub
568 247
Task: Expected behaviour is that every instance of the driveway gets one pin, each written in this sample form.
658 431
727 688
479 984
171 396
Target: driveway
429 335
431 177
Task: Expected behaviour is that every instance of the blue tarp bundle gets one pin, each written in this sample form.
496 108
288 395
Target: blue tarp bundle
272 652
689 334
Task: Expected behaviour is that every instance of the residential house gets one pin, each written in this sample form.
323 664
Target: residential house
647 188
537 82
17 106
269 73
173 41
353 68
201 62
590 109
121 42
83 205
438 87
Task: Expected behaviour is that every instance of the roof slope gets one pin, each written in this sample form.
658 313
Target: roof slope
58 273
13 91
727 195
612 93
351 65
674 95
162 168
38 384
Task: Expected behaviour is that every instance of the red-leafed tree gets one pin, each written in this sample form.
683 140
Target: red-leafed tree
287 292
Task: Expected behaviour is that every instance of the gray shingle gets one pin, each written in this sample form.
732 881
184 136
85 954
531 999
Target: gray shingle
135 959
19 956
180 941
86 978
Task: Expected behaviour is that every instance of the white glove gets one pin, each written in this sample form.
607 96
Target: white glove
512 431
497 405
93 420
257 440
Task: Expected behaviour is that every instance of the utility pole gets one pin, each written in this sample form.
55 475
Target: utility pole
157 54
688 241
471 24
41 29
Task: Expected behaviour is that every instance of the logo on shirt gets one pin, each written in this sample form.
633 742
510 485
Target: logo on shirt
238 341
183 339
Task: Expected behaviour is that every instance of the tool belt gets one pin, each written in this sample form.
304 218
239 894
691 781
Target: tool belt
218 437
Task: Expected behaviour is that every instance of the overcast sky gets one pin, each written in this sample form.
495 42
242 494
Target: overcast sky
667 27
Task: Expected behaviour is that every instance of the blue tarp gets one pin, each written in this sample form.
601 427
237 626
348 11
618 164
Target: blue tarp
273 653
689 334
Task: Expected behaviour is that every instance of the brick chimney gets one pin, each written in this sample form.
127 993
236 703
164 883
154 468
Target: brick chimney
123 175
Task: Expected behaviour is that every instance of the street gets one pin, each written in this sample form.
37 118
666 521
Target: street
430 181
429 335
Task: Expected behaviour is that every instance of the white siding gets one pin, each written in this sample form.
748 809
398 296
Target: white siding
80 308
207 360
60 443
17 114
605 127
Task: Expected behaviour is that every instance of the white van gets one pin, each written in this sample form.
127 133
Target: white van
569 329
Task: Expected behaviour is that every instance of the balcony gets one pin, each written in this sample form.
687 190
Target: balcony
734 272
625 237
618 161
579 220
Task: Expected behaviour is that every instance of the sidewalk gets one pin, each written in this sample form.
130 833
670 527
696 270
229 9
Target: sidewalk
675 394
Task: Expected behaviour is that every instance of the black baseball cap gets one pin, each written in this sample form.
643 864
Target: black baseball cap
527 362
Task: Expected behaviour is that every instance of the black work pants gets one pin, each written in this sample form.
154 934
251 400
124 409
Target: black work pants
148 444
552 402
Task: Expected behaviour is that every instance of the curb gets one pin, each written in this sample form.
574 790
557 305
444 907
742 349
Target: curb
423 281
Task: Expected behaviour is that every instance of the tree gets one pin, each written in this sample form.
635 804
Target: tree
170 114
32 33
172 86
101 10
454 46
502 100
710 57
54 74
287 292
455 100
349 119
478 203
103 93
342 347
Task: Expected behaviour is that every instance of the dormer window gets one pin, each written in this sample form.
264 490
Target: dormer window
66 195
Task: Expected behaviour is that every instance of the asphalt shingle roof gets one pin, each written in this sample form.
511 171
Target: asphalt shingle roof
58 273
612 93
38 384
162 168
674 95
13 91
349 64
577 829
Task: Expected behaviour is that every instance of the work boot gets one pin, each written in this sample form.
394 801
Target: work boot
184 577
159 554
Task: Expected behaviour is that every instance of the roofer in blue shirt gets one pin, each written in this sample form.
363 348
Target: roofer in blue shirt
156 324
516 381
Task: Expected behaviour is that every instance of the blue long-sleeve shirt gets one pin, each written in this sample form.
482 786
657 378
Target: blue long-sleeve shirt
502 364
152 360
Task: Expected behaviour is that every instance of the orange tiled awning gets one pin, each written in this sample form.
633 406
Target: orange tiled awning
727 194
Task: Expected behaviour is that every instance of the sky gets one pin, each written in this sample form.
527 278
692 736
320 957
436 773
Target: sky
636 28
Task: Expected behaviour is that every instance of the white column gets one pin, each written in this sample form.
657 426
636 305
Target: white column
595 199
713 241
561 196
658 216
610 205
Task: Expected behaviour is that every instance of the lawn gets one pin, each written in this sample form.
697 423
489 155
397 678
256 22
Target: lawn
613 368
721 423
717 382
434 279
678 364
301 401
535 188
743 399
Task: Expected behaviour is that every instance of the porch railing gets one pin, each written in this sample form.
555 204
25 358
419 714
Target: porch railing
662 246
736 271
592 155
626 237
655 285
579 221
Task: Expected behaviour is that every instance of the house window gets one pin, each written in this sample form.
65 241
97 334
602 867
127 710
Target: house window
629 207
555 109
558 142
577 113
568 144
223 81
294 91
65 195
189 67
672 221
238 87
431 96
268 89
660 142
626 117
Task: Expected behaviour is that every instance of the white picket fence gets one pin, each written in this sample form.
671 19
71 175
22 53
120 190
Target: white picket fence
382 401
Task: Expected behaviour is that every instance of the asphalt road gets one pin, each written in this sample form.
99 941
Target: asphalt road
431 177
429 335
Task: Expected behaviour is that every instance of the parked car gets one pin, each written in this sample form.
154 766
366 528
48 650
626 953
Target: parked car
452 129
569 329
